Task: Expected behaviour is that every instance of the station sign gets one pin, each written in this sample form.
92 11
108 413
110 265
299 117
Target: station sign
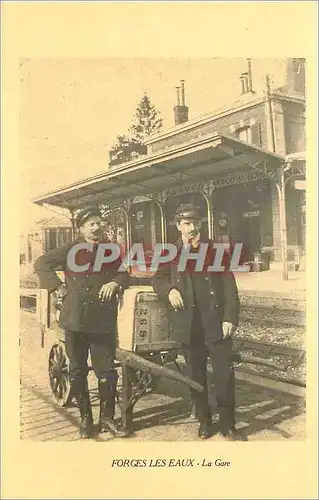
254 213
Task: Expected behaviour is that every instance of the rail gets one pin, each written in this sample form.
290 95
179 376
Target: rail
293 356
270 348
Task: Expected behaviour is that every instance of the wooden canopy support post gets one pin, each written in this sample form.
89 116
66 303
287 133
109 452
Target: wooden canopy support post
73 223
126 210
153 224
281 189
159 204
163 224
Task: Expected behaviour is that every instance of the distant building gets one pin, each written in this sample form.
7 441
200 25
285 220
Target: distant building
50 233
23 248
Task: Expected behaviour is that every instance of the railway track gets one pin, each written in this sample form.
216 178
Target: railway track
272 311
294 354
273 328
291 358
271 316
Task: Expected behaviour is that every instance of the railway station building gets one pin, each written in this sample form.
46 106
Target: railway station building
245 202
243 166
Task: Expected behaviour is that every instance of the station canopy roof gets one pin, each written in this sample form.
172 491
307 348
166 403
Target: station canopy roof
191 162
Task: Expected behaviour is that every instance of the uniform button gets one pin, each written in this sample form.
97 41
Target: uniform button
87 289
217 305
212 293
193 305
206 279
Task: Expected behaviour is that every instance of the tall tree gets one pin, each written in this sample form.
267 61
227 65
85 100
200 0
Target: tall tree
146 121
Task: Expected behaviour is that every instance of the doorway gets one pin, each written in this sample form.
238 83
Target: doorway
251 234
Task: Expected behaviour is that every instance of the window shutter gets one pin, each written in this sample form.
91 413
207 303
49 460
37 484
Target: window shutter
256 136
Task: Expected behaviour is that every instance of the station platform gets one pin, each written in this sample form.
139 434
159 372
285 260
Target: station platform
262 284
271 284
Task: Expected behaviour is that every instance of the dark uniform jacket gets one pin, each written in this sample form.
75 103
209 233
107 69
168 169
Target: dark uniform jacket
216 299
82 310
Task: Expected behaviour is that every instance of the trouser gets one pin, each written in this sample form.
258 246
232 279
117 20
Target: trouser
102 349
220 354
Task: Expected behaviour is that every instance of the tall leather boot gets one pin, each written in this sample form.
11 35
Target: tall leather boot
82 396
107 410
203 414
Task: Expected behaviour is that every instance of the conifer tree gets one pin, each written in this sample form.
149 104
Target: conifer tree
146 122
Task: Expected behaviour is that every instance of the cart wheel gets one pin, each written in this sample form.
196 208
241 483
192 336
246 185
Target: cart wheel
59 375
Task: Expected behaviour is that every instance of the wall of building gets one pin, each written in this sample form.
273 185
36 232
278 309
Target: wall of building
253 116
279 127
289 128
294 203
266 221
292 215
294 127
295 76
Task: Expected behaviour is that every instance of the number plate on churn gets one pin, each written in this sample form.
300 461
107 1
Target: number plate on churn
151 322
143 324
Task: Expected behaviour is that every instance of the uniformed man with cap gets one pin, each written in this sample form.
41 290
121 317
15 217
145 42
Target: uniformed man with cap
204 310
89 317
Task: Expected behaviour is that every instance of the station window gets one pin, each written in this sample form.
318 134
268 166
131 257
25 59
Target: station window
50 239
63 236
244 134
145 223
252 134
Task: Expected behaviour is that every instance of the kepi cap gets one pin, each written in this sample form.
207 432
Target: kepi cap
85 214
187 211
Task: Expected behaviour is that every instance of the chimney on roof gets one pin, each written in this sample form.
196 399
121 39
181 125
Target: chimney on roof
181 110
178 96
250 76
243 81
183 92
246 79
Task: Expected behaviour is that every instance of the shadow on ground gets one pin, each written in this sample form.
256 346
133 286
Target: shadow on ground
257 409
